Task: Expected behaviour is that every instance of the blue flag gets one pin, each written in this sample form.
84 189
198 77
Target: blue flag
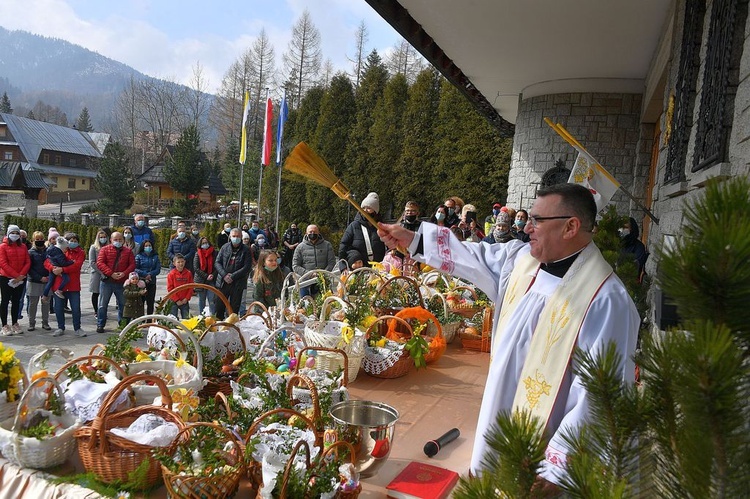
283 113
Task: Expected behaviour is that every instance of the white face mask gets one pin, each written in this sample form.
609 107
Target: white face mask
14 237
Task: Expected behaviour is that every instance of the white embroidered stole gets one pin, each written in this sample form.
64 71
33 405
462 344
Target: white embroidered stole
556 332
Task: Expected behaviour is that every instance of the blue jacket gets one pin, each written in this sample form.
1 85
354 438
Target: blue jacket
147 264
37 270
186 247
140 235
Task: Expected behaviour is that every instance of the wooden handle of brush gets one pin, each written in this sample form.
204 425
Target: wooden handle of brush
372 221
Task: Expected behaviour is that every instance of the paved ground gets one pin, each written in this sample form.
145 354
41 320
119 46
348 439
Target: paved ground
29 343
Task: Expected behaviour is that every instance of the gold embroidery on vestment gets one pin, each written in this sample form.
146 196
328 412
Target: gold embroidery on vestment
555 329
535 388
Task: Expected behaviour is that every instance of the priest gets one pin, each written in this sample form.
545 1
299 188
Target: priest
552 295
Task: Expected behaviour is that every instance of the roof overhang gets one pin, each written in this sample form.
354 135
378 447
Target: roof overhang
499 52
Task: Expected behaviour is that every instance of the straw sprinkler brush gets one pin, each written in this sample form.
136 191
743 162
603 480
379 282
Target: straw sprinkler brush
304 162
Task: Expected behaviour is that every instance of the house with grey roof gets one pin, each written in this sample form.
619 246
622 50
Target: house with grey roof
65 158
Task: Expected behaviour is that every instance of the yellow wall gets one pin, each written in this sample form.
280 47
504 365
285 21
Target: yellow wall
81 184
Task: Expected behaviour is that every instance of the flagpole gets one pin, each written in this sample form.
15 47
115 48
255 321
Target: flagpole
562 132
279 136
243 154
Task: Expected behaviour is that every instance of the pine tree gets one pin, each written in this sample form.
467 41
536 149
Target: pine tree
114 180
5 106
83 123
187 171
337 110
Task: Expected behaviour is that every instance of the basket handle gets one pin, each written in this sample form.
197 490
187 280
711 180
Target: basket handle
38 360
281 410
149 325
290 465
273 335
27 393
222 399
265 314
89 359
326 307
407 314
408 280
345 382
300 379
388 317
333 448
185 433
468 288
193 285
97 349
445 303
362 270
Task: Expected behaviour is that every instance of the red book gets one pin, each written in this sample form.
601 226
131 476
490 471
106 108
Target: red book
422 481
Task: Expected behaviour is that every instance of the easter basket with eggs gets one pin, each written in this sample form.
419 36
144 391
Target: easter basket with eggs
477 335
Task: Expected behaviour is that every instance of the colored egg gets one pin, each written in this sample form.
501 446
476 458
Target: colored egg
292 363
310 362
285 354
312 353
283 368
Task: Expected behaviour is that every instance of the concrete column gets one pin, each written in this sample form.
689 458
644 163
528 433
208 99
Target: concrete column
113 219
31 207
85 218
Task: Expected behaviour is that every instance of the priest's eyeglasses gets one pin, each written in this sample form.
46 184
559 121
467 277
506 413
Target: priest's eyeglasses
534 220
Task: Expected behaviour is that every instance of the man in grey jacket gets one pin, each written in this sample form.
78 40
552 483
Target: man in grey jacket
233 265
313 253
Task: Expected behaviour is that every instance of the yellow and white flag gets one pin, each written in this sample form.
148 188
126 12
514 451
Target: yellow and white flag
590 174
243 142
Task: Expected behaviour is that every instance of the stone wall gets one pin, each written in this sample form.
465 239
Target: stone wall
607 124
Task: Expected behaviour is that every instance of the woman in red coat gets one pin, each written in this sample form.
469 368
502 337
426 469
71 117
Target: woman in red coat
73 289
14 265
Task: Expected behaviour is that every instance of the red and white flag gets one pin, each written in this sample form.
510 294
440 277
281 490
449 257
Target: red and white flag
265 156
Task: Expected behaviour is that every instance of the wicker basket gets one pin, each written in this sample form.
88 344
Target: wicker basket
331 360
255 468
29 452
334 448
221 382
144 394
90 360
216 485
483 341
268 348
112 458
193 285
437 343
327 334
449 329
469 311
395 364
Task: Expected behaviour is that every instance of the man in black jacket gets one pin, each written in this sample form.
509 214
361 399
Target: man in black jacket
233 266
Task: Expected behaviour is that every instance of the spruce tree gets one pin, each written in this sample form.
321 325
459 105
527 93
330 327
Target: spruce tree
114 180
415 167
83 123
5 106
187 171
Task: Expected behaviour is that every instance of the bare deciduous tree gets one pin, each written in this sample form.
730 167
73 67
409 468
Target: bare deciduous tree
405 60
302 58
360 46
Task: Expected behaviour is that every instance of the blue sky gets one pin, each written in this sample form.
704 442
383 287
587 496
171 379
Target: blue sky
167 38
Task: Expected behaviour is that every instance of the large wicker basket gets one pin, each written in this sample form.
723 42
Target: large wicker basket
145 394
29 452
482 341
436 342
450 328
466 310
324 456
217 485
387 365
328 334
328 359
112 458
220 382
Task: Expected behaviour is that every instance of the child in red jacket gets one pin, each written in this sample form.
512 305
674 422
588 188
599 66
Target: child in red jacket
178 276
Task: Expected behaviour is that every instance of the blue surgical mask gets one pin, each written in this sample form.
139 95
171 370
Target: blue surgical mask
195 233
270 269
451 211
102 240
440 216
14 237
520 224
236 240
127 235
117 244
140 223
228 230
205 246
495 211
148 249
181 235
73 245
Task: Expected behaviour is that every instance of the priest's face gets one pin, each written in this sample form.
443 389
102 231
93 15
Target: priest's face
547 228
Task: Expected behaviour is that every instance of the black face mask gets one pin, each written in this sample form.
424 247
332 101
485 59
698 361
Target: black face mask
411 218
39 244
312 237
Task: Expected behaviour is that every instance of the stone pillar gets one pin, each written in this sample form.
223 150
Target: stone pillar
113 219
607 124
85 218
31 207
175 221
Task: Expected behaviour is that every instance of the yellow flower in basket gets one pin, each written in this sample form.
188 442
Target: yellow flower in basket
10 373
192 322
395 272
367 321
377 266
181 362
185 402
347 333
142 357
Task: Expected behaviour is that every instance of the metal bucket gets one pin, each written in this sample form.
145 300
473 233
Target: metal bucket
369 427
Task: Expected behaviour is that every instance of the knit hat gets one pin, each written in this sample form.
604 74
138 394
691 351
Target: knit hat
62 243
353 256
52 233
372 201
133 275
497 205
502 218
13 228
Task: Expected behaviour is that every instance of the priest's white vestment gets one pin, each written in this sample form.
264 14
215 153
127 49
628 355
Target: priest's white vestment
611 317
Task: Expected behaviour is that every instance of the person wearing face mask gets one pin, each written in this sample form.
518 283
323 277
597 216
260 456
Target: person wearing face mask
72 293
410 218
259 245
38 277
223 237
522 218
439 217
195 233
205 273
313 253
96 276
360 235
14 266
148 267
127 233
268 278
453 207
255 231
184 244
292 238
501 231
491 220
632 247
141 232
115 262
233 265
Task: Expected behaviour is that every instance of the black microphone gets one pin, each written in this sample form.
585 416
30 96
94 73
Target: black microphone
433 446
